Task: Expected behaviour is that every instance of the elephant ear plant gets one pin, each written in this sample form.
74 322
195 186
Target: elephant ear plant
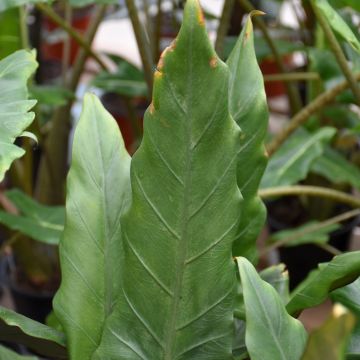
153 247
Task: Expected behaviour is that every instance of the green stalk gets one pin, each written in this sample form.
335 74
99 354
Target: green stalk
67 43
157 35
316 191
316 227
24 33
223 26
339 54
302 116
143 44
293 93
296 76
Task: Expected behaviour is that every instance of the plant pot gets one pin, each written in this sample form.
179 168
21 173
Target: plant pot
35 304
300 260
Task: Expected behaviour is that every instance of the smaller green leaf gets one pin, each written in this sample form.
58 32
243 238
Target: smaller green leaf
337 23
42 223
7 354
349 296
128 80
278 277
271 333
308 233
38 337
292 162
330 340
315 289
51 95
336 168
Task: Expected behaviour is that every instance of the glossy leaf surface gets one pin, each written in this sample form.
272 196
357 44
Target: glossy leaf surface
90 250
292 162
330 340
315 289
248 106
15 117
39 337
42 223
271 333
184 216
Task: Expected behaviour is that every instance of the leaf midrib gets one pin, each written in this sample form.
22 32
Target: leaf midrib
182 242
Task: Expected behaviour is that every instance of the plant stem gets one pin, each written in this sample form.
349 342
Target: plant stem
339 54
316 191
67 44
158 28
329 248
316 227
143 45
24 34
302 116
149 26
223 26
50 187
295 76
51 14
293 94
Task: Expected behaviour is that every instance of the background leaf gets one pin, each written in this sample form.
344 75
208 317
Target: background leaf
38 337
90 250
247 101
174 241
42 223
336 168
271 333
15 71
292 162
315 289
337 23
7 354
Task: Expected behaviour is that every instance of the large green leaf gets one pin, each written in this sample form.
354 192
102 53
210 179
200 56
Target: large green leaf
7 354
336 168
98 191
15 71
247 101
271 333
6 4
185 212
315 289
292 162
38 337
330 340
42 223
337 22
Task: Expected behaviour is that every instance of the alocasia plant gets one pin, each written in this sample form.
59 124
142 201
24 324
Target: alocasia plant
147 253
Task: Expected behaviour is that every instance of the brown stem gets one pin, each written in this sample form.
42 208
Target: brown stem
223 26
143 44
302 116
339 54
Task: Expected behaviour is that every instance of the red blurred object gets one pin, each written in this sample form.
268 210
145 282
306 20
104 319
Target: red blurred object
52 46
269 67
116 106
